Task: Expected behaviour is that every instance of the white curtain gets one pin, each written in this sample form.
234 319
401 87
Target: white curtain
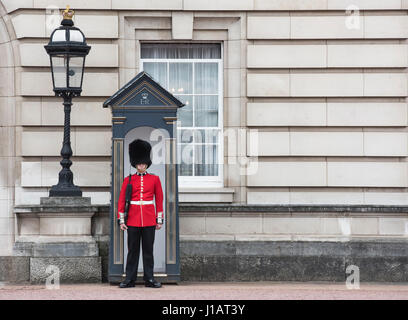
181 51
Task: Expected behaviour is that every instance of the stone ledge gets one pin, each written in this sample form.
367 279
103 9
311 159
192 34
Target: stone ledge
345 210
206 195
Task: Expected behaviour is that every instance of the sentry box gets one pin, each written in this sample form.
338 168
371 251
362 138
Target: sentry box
144 109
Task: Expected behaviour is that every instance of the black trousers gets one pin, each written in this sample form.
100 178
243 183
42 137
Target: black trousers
135 234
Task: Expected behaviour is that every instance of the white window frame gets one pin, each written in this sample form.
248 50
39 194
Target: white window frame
202 181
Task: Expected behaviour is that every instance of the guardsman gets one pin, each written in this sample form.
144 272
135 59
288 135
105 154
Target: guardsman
144 218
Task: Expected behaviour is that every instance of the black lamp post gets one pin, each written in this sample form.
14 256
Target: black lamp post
67 50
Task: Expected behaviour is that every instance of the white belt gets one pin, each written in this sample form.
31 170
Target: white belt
142 202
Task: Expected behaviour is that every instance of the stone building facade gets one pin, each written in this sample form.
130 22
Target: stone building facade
312 139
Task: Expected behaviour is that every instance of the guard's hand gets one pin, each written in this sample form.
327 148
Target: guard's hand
158 226
123 227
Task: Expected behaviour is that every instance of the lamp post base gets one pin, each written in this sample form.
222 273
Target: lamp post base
70 191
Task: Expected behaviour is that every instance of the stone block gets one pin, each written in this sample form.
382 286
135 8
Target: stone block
30 174
363 4
7 138
326 84
52 225
182 25
234 89
101 55
367 56
217 5
386 198
323 27
367 174
386 27
70 269
393 226
380 269
12 5
45 174
6 52
385 84
226 225
148 4
387 144
29 25
75 4
326 143
107 84
28 226
286 114
65 249
290 5
7 88
83 113
278 144
364 226
268 85
30 113
326 197
386 114
14 269
272 27
272 225
272 197
298 173
192 225
93 143
44 143
98 26
286 56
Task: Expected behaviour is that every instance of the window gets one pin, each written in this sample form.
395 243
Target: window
192 72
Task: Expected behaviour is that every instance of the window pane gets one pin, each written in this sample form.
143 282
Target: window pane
205 160
185 114
206 111
181 78
59 70
158 71
185 135
181 51
206 136
186 159
206 78
75 71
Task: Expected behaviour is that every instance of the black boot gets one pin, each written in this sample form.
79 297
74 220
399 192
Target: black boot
152 284
127 284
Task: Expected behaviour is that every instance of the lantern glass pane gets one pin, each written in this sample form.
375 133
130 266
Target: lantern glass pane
75 71
59 35
76 35
59 70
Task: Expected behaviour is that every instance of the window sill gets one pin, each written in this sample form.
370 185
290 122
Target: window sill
206 195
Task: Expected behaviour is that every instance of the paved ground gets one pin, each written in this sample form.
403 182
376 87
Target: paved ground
213 291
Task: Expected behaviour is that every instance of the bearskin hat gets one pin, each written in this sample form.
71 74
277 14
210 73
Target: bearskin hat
139 152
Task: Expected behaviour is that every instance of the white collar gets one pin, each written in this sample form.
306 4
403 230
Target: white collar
140 173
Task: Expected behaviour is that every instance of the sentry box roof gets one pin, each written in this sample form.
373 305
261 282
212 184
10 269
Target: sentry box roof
143 91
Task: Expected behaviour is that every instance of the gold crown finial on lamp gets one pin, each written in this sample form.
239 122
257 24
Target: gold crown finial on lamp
68 13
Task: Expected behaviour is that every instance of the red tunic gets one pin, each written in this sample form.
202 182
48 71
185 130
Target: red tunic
144 187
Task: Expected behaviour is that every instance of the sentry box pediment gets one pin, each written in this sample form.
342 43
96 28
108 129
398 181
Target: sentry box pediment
144 109
144 92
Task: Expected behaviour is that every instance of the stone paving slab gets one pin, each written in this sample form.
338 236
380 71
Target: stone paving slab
209 291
